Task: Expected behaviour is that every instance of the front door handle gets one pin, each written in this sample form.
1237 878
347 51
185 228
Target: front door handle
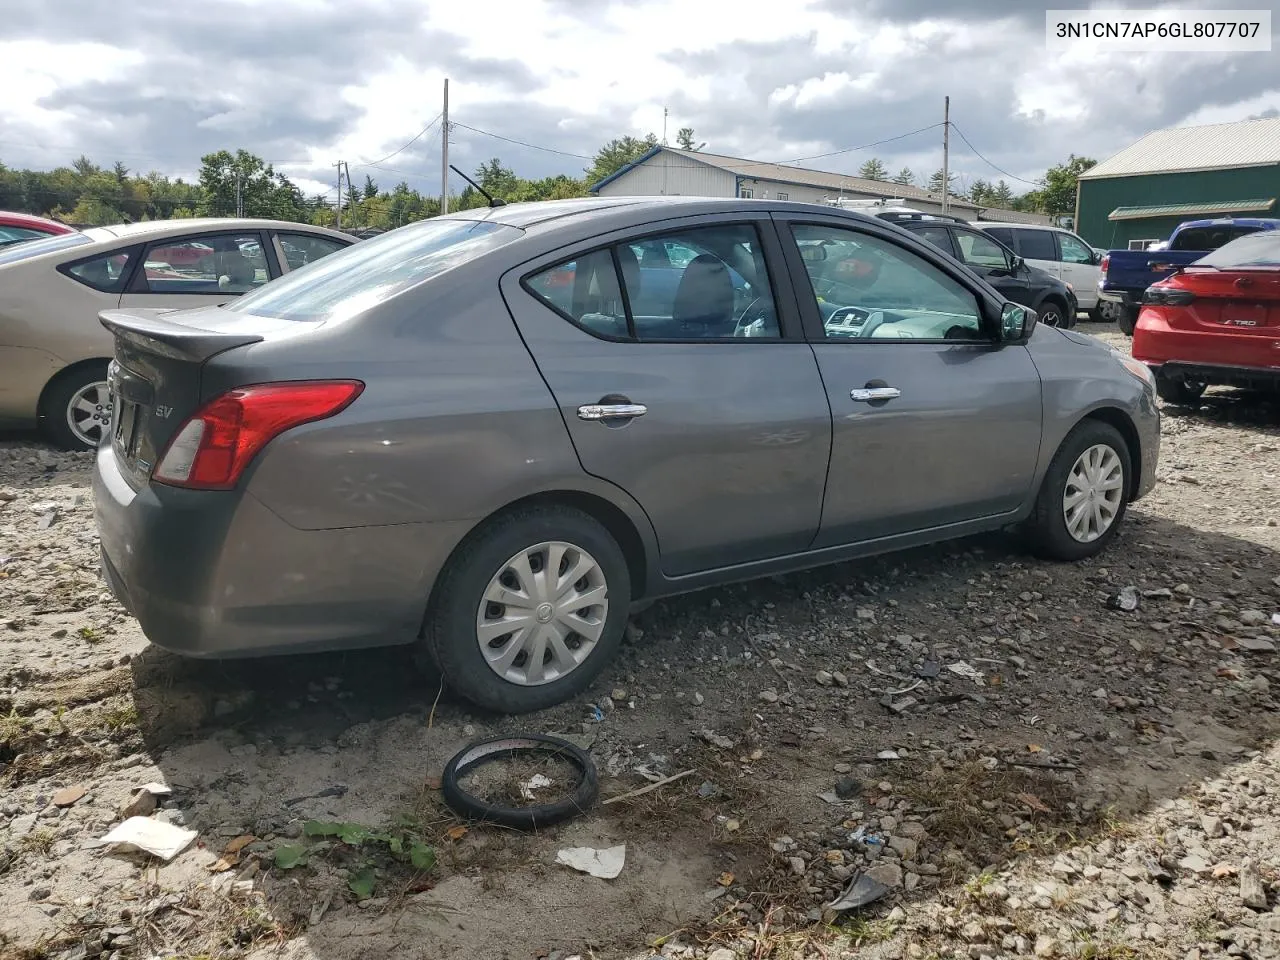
611 411
873 394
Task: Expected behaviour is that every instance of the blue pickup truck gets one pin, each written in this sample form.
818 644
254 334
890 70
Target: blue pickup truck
1126 274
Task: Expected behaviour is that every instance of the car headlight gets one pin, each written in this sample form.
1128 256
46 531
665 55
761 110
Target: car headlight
1135 367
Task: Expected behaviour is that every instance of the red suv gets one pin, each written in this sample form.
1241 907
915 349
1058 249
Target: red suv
1216 321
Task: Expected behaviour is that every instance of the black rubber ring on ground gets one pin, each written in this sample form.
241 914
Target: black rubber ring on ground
519 818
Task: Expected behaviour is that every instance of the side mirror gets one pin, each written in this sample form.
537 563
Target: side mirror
1016 264
1016 322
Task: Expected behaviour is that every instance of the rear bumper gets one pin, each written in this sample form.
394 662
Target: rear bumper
1226 357
1127 298
219 575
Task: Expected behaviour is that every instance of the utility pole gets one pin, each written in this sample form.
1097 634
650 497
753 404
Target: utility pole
444 153
664 126
946 150
339 220
239 201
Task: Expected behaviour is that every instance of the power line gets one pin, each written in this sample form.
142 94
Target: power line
420 134
520 143
864 146
960 133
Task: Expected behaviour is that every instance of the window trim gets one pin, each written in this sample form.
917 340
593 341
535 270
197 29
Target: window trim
133 251
137 281
989 302
790 322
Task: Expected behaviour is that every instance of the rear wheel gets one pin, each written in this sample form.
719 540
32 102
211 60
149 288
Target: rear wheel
1173 390
1127 319
75 411
1084 494
530 610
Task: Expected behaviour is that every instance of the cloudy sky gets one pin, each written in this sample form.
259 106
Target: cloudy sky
304 83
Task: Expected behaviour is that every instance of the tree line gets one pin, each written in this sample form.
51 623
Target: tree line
238 182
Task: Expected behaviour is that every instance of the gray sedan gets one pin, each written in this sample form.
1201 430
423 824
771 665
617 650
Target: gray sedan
490 434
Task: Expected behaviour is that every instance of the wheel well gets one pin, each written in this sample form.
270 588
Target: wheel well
1060 304
63 374
1120 420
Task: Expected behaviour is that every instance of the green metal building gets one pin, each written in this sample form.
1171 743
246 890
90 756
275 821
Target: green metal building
1183 173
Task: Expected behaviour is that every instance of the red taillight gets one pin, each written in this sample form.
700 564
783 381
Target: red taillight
215 444
1106 262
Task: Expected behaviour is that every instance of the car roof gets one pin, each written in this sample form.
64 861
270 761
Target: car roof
1022 226
160 229
552 214
1264 222
12 218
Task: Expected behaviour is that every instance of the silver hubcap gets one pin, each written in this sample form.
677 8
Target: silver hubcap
542 614
89 412
1095 490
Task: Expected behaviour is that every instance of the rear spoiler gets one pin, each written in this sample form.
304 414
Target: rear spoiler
150 330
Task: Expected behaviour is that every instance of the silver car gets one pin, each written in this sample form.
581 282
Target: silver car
490 434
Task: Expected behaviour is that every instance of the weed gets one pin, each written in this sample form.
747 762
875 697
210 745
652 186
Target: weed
14 726
39 841
401 844
89 635
864 932
120 718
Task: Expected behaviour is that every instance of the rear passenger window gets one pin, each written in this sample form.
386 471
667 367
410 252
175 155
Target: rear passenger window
1036 244
936 236
1002 234
219 264
107 273
708 283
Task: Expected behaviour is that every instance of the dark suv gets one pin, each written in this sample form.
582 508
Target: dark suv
1051 298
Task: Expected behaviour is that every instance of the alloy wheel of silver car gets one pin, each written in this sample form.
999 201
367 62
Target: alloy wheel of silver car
89 412
542 613
1094 493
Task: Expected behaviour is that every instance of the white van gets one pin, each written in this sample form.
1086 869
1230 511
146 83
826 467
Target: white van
1058 252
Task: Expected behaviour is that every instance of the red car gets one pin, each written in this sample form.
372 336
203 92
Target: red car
1216 321
17 227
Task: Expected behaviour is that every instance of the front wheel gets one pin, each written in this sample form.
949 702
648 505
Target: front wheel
1084 494
530 610
1053 314
75 412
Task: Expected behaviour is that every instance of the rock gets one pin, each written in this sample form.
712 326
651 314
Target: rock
847 788
1212 827
824 679
722 953
1126 599
68 796
142 804
905 847
1252 891
698 699
21 826
1255 644
888 874
840 679
1046 946
40 893
768 696
1253 618
797 865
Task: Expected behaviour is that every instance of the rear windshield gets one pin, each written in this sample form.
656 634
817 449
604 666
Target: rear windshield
371 271
1256 250
1208 238
34 248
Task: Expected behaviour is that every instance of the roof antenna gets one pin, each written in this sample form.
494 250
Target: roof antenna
483 192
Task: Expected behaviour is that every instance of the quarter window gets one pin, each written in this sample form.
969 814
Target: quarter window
224 264
867 288
1074 250
937 236
708 283
107 273
1002 234
1036 244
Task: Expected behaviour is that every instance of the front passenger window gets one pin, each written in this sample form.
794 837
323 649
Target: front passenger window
869 288
979 251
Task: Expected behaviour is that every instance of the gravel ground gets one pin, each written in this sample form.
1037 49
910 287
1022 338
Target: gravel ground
992 749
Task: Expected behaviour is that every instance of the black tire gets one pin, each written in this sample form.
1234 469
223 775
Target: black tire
1053 313
1181 392
1127 319
534 816
450 633
1046 528
58 397
1096 315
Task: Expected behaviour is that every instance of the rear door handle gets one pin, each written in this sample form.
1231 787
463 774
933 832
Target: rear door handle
872 394
611 411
